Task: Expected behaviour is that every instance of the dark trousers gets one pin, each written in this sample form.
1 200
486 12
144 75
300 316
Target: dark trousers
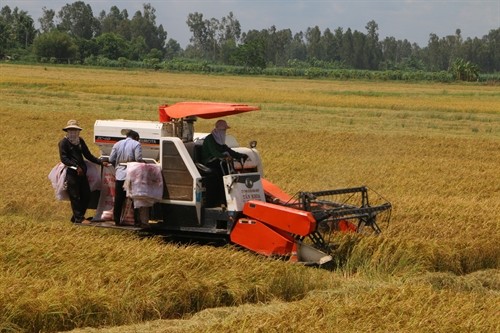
79 194
120 197
217 195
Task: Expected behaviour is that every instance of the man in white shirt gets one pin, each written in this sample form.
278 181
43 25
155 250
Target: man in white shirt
127 150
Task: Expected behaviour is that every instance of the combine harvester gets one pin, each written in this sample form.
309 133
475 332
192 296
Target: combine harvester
256 214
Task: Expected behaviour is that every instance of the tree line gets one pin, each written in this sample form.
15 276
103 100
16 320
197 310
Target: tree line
75 35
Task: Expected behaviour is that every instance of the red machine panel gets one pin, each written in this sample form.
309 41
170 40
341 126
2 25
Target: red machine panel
287 219
263 239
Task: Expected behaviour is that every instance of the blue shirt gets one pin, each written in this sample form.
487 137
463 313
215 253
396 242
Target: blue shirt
128 150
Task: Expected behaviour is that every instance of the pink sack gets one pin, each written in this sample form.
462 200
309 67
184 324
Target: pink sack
93 176
104 210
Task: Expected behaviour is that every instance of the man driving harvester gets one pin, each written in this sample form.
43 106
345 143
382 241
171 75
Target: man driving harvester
215 149
213 155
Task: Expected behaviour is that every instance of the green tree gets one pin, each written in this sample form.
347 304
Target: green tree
155 54
258 43
230 29
399 54
47 20
78 20
55 44
475 51
372 50
338 37
297 48
492 48
313 43
277 44
212 46
137 48
144 25
229 36
172 49
112 46
433 53
199 31
390 53
328 46
358 55
18 28
86 48
440 52
250 54
116 21
7 41
347 50
4 38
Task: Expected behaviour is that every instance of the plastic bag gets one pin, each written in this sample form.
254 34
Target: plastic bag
93 176
104 210
57 177
144 184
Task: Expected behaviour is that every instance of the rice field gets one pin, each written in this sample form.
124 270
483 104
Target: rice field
432 150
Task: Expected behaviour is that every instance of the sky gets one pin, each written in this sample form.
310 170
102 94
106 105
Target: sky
413 20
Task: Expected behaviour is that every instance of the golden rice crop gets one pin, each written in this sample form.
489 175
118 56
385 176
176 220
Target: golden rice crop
431 149
56 277
435 302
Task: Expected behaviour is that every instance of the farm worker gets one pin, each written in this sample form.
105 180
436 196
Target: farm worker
214 150
128 150
214 147
72 150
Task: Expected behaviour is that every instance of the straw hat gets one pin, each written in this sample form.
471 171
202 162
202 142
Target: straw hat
72 124
221 124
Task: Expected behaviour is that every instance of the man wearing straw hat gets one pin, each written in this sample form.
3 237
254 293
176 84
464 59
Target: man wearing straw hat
72 150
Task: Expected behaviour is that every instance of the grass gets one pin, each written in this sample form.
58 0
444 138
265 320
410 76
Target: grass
431 149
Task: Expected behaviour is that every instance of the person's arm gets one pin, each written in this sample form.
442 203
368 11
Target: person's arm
88 155
235 154
138 153
112 156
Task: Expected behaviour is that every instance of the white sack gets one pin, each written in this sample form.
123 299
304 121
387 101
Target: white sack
144 184
57 177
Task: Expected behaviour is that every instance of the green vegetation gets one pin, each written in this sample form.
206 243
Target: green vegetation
113 39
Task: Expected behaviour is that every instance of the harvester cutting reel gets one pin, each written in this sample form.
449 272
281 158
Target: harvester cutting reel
343 210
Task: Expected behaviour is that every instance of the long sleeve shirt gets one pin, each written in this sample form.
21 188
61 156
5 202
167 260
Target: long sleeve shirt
72 155
212 150
127 150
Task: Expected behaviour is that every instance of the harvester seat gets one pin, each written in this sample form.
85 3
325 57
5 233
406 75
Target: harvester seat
194 150
190 147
